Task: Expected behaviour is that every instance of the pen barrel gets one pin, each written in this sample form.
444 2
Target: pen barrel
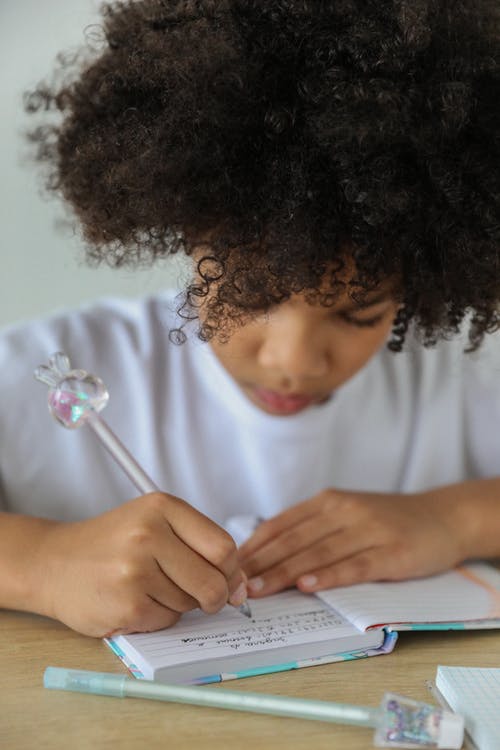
254 702
120 454
120 686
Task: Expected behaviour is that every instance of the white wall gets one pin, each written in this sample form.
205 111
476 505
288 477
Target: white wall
42 268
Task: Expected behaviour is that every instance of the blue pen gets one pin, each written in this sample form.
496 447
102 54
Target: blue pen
398 722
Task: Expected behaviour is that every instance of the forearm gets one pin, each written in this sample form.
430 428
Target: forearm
22 563
471 510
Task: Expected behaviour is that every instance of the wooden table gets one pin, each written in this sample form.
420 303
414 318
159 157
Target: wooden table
32 717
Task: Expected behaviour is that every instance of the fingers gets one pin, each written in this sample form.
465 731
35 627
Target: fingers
202 534
292 541
191 573
238 588
272 528
164 591
180 586
209 540
316 536
365 566
321 554
201 558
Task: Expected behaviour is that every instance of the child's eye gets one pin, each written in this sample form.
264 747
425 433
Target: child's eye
363 322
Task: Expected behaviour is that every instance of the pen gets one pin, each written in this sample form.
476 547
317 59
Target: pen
398 722
75 398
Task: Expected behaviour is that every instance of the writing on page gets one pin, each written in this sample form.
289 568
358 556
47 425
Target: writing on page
283 620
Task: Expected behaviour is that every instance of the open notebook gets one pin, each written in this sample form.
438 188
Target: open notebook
291 629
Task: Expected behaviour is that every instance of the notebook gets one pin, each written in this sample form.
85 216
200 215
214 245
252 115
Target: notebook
475 693
291 629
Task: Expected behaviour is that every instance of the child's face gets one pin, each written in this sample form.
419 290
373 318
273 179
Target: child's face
297 354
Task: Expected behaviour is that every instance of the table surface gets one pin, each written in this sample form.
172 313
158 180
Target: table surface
32 717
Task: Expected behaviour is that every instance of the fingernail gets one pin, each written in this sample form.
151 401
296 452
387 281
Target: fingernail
308 582
256 584
238 596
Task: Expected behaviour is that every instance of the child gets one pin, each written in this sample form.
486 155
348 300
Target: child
331 169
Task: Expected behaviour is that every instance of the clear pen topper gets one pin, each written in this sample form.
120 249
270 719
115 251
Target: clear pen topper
75 398
74 395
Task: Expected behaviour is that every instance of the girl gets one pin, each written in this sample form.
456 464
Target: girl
331 169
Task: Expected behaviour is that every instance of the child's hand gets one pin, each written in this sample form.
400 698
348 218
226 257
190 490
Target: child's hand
340 538
138 567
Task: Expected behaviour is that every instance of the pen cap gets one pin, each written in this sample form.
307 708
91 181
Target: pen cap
411 724
81 681
452 730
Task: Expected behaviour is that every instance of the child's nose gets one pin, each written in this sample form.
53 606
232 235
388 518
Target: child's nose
300 356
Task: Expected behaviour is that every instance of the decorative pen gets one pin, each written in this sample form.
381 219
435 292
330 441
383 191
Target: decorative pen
398 722
75 398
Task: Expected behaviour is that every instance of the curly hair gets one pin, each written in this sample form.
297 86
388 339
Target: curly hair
278 136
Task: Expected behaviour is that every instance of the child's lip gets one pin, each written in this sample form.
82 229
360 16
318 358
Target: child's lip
284 403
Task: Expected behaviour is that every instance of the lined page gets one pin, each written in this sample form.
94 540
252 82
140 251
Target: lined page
460 595
474 693
278 621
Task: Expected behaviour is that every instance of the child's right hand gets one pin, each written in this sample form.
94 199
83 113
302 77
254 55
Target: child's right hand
138 567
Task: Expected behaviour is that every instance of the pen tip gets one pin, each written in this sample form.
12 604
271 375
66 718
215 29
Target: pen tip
245 609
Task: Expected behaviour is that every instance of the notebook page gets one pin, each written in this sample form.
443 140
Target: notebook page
459 595
285 619
474 693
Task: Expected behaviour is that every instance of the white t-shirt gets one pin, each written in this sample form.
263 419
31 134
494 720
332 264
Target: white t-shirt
406 422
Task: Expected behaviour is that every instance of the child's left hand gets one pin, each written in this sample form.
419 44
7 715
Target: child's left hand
339 538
